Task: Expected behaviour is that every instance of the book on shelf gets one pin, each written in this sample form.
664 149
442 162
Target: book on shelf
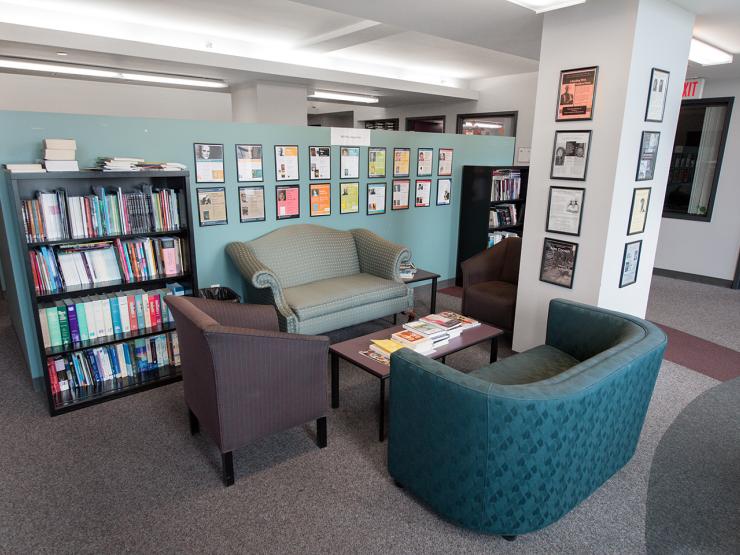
61 165
505 185
119 163
59 154
24 168
90 368
495 237
45 217
60 144
502 215
415 341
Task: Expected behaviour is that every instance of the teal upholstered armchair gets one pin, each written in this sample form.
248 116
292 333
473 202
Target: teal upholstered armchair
512 447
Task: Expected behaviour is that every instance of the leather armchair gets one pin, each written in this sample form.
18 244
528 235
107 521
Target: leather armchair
490 281
243 378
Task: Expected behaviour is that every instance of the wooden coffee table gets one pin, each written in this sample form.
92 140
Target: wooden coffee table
350 351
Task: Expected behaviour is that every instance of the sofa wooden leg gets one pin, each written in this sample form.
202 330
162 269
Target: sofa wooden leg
321 432
227 465
194 424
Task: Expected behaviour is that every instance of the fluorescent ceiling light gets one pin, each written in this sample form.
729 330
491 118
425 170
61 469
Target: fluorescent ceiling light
85 71
540 6
327 95
707 55
483 125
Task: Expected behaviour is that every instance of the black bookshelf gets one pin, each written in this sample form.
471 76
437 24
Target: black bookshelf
24 186
475 208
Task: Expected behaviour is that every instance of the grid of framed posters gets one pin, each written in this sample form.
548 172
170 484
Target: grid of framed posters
349 162
286 163
423 193
252 203
319 195
576 94
558 262
639 210
444 191
349 198
401 162
657 94
630 263
375 198
376 162
287 201
212 206
400 194
648 155
209 163
565 210
444 167
249 163
425 162
570 155
319 162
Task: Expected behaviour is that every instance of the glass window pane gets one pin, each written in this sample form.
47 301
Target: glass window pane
503 125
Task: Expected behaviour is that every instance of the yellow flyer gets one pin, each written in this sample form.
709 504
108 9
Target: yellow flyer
349 197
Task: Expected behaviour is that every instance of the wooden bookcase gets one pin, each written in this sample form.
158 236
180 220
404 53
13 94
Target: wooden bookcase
475 207
24 186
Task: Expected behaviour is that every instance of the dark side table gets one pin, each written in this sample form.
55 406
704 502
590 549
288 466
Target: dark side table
423 275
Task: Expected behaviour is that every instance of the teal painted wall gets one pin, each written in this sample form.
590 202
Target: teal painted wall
430 233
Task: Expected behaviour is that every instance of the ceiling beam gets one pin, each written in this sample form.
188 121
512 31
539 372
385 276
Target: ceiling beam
351 35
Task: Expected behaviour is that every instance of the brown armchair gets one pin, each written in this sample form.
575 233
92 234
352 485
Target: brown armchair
243 378
490 282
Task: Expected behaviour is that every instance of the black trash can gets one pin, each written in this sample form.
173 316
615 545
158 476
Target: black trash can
220 294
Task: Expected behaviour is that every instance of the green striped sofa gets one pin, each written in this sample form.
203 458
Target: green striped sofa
321 279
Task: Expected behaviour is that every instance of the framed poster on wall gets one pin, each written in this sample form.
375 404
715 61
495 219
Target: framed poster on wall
376 162
252 203
349 198
319 198
249 163
319 162
286 163
630 263
444 191
209 163
349 162
400 194
444 167
565 210
657 94
558 262
375 198
287 201
401 162
423 195
639 210
570 155
648 155
425 162
212 206
576 94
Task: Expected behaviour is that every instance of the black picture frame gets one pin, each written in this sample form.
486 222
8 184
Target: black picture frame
310 174
222 190
632 210
199 146
370 151
262 163
357 186
431 155
400 148
439 158
311 187
622 282
416 193
543 277
341 167
641 157
298 155
264 212
279 188
548 228
408 195
367 198
588 133
595 69
449 200
650 93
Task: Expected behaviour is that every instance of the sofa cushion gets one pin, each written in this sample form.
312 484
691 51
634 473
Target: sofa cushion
492 302
334 294
534 365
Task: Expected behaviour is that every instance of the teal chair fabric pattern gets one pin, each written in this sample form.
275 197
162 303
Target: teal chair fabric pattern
320 279
512 447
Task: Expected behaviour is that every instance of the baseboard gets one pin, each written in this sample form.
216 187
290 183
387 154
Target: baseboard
693 277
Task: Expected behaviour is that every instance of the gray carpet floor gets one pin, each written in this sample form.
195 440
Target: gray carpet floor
126 476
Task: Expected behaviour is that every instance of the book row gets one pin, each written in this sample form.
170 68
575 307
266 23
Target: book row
129 359
506 185
502 215
71 267
100 317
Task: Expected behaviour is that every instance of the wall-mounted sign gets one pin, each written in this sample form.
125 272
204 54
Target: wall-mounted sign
693 88
346 136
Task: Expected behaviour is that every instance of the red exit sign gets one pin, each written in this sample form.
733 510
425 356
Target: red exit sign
693 88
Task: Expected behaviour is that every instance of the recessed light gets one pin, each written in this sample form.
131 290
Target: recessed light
541 6
708 55
329 95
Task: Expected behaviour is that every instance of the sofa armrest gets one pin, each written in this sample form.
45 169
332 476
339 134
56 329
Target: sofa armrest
379 256
254 316
484 266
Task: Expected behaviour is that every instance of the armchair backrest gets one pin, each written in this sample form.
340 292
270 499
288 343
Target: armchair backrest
512 254
303 253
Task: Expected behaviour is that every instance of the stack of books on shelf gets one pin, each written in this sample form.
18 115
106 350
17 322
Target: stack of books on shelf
506 185
119 163
502 215
24 168
60 155
45 217
151 258
407 270
104 317
92 368
164 166
496 237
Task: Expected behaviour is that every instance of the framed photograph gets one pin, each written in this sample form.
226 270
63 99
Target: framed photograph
570 155
401 162
639 210
319 199
630 263
212 206
657 95
423 194
648 155
558 262
375 198
349 162
349 198
444 191
286 163
576 94
425 162
288 201
319 162
249 163
376 162
209 163
400 194
444 167
252 203
565 210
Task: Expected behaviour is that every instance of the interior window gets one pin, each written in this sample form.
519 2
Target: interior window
500 124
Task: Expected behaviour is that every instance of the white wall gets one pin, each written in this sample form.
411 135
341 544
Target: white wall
710 248
75 96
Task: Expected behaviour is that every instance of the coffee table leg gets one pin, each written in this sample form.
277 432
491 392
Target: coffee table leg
434 296
334 381
494 349
381 431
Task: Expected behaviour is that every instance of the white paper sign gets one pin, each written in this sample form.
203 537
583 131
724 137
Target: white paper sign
347 136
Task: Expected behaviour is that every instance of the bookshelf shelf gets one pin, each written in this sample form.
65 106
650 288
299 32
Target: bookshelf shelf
513 201
112 287
108 340
107 238
506 227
